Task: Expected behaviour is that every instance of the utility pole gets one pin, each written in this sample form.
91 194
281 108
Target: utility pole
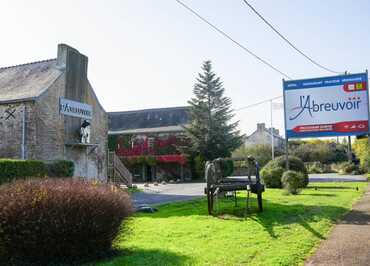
272 133
23 145
349 149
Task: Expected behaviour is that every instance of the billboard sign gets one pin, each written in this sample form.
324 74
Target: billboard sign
329 106
75 109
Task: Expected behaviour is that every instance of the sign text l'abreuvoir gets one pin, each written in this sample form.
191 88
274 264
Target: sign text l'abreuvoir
329 106
75 109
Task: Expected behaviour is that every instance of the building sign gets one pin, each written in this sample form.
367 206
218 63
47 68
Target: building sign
330 106
76 109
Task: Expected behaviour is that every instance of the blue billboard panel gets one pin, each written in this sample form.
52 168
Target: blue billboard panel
329 106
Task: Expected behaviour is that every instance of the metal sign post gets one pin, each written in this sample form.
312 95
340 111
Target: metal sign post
286 134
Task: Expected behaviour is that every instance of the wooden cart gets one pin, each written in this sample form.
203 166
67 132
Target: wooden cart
217 183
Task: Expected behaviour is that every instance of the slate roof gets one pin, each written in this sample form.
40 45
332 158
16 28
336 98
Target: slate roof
148 120
27 81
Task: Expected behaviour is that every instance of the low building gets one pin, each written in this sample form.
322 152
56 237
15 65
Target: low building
149 142
263 136
49 111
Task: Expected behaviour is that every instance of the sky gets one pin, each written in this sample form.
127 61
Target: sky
146 53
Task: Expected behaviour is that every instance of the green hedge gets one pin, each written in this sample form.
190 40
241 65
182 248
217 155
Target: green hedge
15 169
60 168
19 169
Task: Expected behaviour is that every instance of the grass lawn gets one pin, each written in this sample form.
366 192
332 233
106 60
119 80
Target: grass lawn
284 234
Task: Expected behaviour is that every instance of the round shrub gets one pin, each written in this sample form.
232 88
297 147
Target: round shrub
272 176
292 181
273 171
54 219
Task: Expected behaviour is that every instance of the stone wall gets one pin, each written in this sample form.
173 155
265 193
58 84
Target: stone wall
11 130
49 123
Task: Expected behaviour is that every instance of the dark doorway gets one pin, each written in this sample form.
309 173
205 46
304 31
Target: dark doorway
149 176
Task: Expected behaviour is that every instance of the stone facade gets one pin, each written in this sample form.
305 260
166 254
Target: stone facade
49 135
263 136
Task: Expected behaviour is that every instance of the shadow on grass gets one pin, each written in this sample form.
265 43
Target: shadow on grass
312 186
274 214
63 260
153 257
356 217
113 257
320 194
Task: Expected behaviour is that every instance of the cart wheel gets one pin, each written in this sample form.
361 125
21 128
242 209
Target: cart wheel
210 201
259 200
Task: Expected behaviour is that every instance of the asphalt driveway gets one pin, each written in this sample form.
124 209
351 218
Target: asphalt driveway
160 194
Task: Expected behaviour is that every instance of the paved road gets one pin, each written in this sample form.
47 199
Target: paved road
336 178
349 241
153 195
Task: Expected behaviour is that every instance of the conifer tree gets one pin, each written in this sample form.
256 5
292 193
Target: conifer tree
211 130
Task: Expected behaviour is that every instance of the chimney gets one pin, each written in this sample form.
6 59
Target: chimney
68 55
261 127
75 65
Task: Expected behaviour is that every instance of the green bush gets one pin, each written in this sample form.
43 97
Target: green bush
59 220
227 167
260 152
21 169
325 152
199 164
271 176
15 169
319 168
60 168
292 181
314 168
273 171
362 152
349 168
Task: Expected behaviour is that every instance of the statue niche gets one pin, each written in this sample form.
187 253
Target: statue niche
85 132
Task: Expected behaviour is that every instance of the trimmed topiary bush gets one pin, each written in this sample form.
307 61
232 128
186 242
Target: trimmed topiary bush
271 176
46 220
60 168
13 169
292 181
273 171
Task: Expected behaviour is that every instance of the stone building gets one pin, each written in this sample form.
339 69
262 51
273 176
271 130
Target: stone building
42 108
148 142
263 136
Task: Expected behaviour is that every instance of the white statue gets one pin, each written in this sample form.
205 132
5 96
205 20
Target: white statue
85 132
